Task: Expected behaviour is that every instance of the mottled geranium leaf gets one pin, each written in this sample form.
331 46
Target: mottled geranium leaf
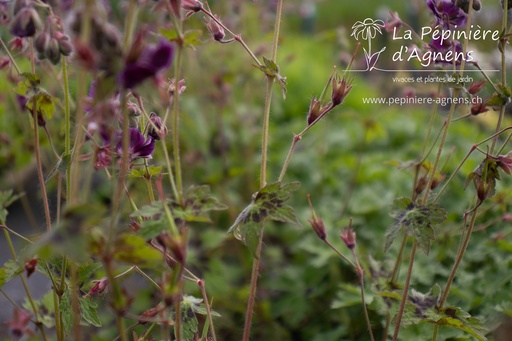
88 311
268 203
416 220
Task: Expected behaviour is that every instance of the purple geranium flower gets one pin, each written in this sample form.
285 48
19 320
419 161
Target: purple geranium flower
440 51
139 147
448 15
151 60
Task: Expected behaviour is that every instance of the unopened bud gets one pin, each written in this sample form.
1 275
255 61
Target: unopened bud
65 46
157 127
53 51
41 42
192 5
30 266
216 30
148 314
100 287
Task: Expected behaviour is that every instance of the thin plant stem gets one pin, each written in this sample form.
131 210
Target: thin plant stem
328 243
237 37
405 291
459 257
208 310
252 290
24 283
176 128
396 268
39 166
263 179
361 283
13 62
264 136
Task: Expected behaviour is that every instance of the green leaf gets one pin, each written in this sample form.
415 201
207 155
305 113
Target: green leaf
198 201
484 178
416 220
61 166
189 323
6 199
44 103
134 250
152 228
27 83
271 69
88 311
268 203
10 270
143 173
66 311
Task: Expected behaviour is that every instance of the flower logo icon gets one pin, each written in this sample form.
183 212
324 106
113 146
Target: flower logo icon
367 30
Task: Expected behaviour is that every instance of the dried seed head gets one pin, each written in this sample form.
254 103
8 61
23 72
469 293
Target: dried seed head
315 109
340 89
478 108
317 223
349 237
476 87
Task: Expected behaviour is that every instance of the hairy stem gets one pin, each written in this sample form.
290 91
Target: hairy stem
405 291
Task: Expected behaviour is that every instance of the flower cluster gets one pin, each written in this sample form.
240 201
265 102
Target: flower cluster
52 42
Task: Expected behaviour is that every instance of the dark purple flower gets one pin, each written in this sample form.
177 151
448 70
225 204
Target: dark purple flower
446 51
152 59
448 15
25 23
139 147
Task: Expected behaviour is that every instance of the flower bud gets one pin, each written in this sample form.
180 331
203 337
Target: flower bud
100 287
216 30
30 266
65 46
157 127
41 42
192 5
53 51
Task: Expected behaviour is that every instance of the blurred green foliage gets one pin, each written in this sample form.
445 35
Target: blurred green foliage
348 163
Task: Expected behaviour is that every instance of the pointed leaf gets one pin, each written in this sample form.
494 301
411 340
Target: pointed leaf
88 311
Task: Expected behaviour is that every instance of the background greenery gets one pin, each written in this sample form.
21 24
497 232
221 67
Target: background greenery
348 163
